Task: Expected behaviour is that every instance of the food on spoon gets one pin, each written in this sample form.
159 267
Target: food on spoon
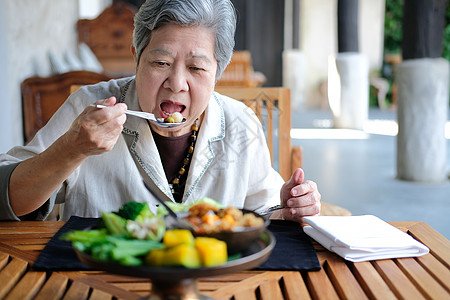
177 117
169 120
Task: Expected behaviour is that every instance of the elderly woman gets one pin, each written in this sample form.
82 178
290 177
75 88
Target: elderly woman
92 160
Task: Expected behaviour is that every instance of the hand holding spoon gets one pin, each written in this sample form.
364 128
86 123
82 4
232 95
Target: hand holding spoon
145 115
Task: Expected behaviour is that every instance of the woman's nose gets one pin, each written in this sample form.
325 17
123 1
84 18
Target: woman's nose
176 81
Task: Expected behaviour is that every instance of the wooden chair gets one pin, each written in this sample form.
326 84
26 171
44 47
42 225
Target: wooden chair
240 73
272 105
273 108
110 37
42 96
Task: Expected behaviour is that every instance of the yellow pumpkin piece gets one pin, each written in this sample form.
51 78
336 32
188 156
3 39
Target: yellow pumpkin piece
210 219
155 258
176 237
213 252
182 255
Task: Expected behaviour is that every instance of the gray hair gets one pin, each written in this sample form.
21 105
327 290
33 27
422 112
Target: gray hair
217 15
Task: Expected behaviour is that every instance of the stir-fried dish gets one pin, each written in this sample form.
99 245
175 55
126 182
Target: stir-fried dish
207 218
134 236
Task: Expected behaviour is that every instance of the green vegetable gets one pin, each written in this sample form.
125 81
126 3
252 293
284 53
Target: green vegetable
116 242
136 211
131 261
158 234
176 207
102 252
85 236
149 229
182 207
85 241
118 248
207 201
114 223
126 248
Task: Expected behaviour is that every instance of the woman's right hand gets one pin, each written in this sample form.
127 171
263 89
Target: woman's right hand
96 131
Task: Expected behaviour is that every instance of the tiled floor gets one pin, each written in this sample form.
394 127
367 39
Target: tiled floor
360 173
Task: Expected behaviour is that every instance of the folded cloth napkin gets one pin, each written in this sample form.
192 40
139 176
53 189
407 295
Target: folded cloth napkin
362 238
293 249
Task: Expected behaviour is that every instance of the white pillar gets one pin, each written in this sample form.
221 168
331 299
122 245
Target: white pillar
348 89
294 68
423 99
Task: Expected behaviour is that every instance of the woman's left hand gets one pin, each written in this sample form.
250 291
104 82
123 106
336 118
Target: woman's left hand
300 196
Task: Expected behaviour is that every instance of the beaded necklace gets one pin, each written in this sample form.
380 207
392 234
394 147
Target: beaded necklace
176 186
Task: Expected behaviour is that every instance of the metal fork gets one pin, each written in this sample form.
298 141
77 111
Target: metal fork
271 209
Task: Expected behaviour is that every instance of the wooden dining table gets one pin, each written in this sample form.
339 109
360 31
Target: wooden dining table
425 277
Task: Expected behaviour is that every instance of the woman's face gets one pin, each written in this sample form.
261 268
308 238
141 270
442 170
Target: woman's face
176 73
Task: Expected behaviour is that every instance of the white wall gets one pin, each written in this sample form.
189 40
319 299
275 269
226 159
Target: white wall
6 123
28 30
90 9
371 31
318 40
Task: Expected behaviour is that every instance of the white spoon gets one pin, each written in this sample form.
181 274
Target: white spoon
145 115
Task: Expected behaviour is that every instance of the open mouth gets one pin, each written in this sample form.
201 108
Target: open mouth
168 108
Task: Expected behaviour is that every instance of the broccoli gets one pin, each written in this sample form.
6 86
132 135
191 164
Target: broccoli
135 211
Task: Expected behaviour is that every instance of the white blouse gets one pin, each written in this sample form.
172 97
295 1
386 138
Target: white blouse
231 162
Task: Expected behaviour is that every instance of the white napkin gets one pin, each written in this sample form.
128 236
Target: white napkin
362 238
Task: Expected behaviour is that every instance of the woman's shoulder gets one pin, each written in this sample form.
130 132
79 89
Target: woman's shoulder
234 107
226 101
237 114
104 89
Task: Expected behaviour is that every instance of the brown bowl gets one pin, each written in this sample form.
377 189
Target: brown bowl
240 240
179 282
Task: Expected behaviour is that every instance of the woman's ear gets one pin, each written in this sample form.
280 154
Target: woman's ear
133 51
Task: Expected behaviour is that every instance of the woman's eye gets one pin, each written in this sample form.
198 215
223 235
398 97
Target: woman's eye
159 63
194 68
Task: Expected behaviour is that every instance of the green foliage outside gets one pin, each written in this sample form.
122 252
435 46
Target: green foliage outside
393 29
393 37
446 42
